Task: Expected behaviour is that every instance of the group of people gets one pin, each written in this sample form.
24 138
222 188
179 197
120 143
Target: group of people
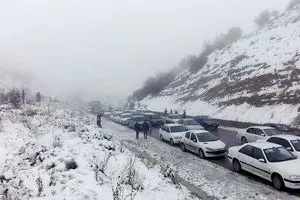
146 126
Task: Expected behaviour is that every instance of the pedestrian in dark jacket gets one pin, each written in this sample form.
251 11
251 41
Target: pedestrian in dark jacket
146 127
99 120
137 130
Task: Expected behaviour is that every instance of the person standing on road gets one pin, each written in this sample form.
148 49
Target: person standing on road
99 120
137 130
184 114
146 127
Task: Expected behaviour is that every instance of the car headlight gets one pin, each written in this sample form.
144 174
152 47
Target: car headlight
295 177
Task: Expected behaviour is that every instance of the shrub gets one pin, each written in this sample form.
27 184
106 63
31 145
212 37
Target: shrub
38 97
71 164
292 4
262 18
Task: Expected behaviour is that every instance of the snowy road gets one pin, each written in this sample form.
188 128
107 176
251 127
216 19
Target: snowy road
208 178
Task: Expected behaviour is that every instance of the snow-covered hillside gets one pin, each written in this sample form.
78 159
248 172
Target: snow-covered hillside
256 79
49 151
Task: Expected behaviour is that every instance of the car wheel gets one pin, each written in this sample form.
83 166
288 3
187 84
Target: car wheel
244 140
277 182
161 137
201 154
236 165
182 147
172 142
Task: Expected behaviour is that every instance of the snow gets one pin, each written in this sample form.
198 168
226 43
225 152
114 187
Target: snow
275 44
59 153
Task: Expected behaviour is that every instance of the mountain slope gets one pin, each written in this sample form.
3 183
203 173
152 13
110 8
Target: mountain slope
254 79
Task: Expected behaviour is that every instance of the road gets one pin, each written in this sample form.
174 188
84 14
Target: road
226 135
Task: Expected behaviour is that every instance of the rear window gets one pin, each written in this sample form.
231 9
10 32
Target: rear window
271 132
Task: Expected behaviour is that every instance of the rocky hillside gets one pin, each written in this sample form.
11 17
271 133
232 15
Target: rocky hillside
254 79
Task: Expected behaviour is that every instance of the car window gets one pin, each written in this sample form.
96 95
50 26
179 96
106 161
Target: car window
258 154
271 132
284 143
296 144
279 154
179 128
259 132
168 129
247 150
193 137
187 135
250 130
191 122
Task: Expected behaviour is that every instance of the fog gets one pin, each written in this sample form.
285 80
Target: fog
106 48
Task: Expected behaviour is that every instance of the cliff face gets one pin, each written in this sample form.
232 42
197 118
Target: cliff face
254 79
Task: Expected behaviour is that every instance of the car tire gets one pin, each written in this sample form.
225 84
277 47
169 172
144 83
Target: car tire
161 137
201 154
244 140
182 146
277 182
172 142
236 166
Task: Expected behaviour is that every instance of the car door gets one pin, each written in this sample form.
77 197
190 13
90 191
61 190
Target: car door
244 156
163 131
194 143
250 134
259 134
260 166
187 141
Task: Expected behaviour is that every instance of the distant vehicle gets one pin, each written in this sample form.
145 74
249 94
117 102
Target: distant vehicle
269 161
172 133
190 124
136 119
254 133
154 119
172 118
285 129
207 122
124 118
290 142
203 143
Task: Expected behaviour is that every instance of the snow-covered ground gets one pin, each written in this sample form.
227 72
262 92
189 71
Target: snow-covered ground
208 180
50 151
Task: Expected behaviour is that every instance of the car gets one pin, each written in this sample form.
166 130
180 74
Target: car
155 119
285 129
190 124
172 133
124 118
207 122
290 142
254 133
172 118
203 143
270 161
136 119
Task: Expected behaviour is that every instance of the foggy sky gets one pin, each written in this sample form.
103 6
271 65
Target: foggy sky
109 47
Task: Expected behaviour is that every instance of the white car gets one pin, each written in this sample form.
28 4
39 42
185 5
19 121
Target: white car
203 143
190 124
172 133
254 133
290 142
270 161
124 118
172 118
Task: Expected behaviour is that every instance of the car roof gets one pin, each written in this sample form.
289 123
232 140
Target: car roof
174 124
287 137
261 127
263 145
198 131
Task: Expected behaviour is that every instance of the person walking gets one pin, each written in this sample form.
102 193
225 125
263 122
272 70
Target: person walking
146 127
137 130
99 120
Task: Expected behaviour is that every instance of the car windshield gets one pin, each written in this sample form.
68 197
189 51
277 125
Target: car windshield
272 131
206 137
191 122
175 129
296 144
278 154
138 119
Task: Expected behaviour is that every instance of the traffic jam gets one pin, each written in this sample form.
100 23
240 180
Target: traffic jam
270 151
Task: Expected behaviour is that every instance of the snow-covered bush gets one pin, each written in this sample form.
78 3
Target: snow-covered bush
71 164
262 18
14 97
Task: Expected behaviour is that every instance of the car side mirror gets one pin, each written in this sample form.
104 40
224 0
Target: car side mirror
194 140
262 134
186 129
262 160
289 148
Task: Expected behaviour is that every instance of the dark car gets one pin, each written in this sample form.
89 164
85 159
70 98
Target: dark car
283 128
207 122
136 119
154 119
